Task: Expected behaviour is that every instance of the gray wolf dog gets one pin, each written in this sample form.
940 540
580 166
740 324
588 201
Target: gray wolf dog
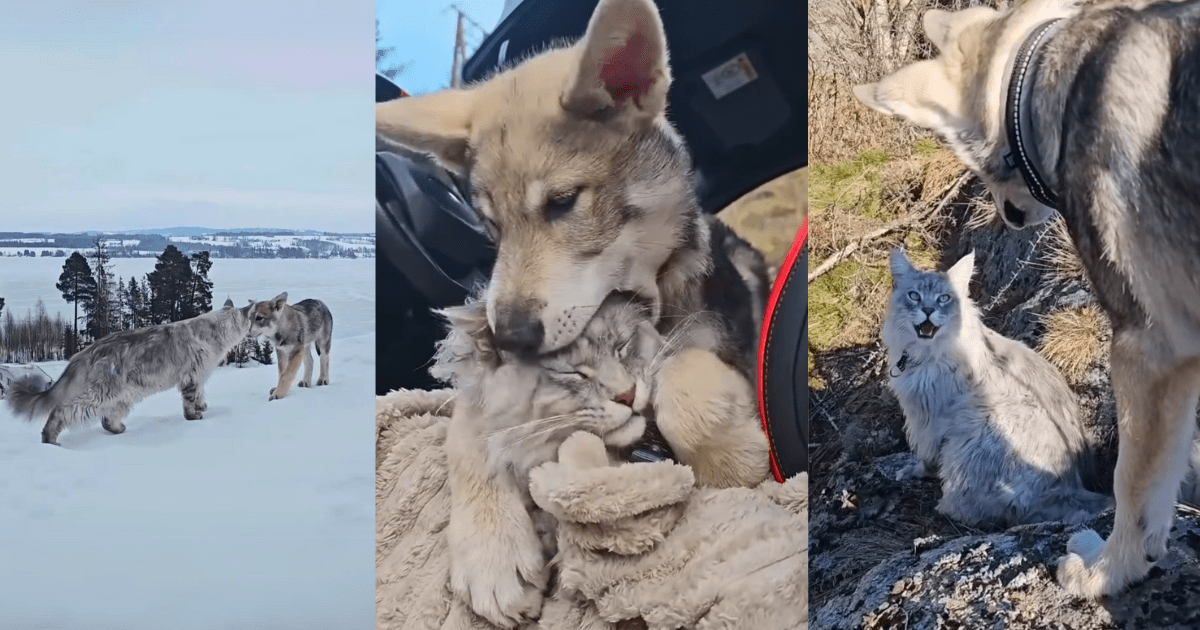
108 377
995 419
295 329
513 412
581 180
1094 112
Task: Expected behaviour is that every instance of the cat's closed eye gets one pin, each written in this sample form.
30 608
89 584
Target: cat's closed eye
914 296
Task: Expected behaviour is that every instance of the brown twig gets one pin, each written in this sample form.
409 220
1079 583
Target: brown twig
947 195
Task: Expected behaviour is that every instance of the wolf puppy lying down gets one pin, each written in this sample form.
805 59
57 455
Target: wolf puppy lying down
1094 112
111 375
294 330
513 412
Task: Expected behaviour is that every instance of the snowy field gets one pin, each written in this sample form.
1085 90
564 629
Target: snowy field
261 511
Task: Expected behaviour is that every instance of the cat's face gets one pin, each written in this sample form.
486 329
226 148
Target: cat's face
599 383
926 304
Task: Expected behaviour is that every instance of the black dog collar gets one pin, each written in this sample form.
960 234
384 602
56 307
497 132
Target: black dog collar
1018 121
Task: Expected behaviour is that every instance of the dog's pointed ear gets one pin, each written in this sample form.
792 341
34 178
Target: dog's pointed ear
920 93
438 123
937 24
228 303
279 300
960 274
899 263
622 62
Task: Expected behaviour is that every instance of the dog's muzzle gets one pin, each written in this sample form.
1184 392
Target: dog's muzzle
1014 215
926 329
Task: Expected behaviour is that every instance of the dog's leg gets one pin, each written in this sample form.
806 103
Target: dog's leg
496 559
201 403
323 352
289 374
279 360
113 419
706 410
1156 410
54 426
190 389
306 354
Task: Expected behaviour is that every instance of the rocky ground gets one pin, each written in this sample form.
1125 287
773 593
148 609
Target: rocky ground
880 554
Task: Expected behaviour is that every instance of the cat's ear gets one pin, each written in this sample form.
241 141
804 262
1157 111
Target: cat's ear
469 335
960 273
900 265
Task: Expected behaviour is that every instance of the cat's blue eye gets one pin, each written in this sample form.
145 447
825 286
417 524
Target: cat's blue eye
914 296
943 298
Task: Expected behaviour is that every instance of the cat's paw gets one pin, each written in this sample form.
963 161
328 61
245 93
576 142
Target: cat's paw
501 575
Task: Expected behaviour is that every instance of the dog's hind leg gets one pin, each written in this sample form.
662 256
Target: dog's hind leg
113 419
193 398
323 347
54 426
1156 410
308 366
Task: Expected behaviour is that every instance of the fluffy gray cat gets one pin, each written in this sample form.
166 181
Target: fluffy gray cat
991 415
511 414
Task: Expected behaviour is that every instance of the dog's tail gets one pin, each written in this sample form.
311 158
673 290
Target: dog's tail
28 400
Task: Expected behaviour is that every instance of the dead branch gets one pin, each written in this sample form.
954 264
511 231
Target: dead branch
911 219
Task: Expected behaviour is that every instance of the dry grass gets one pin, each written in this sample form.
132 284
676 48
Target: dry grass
1075 339
1061 255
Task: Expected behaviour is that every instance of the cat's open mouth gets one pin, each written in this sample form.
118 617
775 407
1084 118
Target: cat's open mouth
926 329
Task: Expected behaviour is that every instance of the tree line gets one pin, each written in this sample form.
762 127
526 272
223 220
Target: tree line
179 288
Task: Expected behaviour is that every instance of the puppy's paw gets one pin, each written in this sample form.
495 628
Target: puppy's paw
273 395
202 406
501 577
322 381
303 384
1088 571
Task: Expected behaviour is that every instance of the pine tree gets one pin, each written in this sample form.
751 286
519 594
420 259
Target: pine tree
170 282
201 297
101 320
265 352
77 286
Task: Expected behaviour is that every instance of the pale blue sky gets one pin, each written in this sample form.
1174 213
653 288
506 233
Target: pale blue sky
221 114
423 33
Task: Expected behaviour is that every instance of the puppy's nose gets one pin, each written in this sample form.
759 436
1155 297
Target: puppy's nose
628 397
928 311
518 330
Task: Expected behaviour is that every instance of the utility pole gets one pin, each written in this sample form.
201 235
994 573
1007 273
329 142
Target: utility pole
460 52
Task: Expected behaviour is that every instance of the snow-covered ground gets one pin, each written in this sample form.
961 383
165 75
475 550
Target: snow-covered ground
259 516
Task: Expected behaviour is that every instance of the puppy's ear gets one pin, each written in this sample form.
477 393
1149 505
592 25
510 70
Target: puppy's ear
920 93
228 304
438 123
622 63
279 300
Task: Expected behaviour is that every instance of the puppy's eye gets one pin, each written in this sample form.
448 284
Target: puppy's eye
625 349
914 296
943 298
561 203
258 318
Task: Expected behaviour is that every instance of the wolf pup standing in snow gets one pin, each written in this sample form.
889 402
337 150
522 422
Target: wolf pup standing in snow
993 417
587 189
1094 112
293 329
111 375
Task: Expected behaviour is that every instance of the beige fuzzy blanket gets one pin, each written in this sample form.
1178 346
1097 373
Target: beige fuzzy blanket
639 545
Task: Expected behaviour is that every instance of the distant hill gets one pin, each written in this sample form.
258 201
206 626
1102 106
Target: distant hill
220 243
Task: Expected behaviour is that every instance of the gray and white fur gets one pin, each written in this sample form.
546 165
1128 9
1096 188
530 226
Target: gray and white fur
1114 110
108 377
994 418
511 413
294 330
